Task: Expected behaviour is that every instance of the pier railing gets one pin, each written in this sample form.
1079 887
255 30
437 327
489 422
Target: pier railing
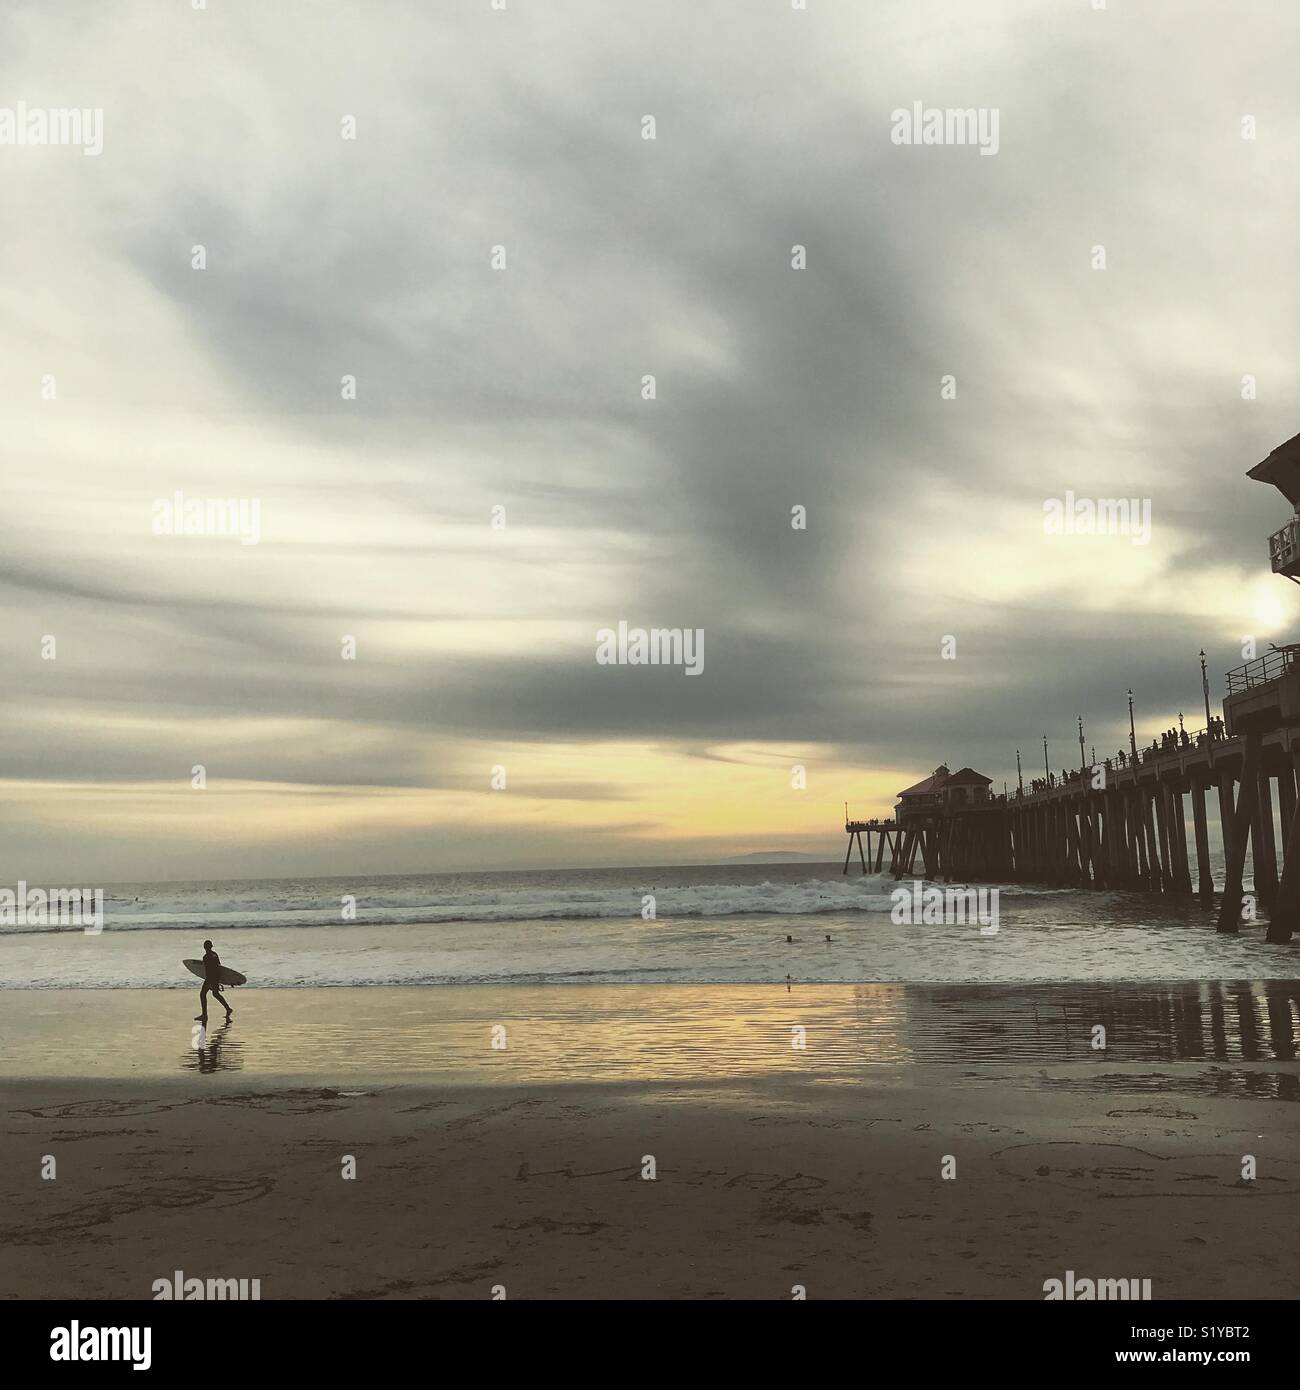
1260 671
1284 547
1188 742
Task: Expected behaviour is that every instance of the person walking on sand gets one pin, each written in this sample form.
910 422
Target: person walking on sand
211 981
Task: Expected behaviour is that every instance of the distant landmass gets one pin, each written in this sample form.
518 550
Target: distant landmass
781 856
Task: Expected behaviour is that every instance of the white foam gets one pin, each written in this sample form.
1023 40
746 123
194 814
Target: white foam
391 907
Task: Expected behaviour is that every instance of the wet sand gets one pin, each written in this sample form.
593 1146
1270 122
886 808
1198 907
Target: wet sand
563 1033
791 1170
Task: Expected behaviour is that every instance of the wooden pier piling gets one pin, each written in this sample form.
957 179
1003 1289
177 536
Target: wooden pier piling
1242 819
1204 879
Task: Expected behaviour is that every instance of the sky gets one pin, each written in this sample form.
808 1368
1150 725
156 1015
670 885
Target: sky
455 207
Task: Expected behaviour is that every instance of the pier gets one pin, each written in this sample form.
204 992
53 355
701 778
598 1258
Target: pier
1123 822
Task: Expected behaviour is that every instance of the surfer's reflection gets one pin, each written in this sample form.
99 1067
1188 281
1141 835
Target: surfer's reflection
215 1050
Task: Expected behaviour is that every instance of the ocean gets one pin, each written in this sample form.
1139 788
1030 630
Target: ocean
723 923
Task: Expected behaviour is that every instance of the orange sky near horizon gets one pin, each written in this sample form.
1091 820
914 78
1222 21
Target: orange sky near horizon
618 803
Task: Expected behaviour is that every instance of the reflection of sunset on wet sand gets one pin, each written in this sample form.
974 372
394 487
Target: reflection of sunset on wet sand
630 1033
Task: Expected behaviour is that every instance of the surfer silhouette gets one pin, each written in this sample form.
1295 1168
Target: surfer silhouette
211 982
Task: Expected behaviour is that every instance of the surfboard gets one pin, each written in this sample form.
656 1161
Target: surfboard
225 973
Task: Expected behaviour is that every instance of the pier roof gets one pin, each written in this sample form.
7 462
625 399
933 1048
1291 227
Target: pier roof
933 783
941 778
1282 469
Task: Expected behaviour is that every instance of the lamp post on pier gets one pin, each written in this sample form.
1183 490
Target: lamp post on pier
1132 734
1083 756
1020 779
1205 691
1047 767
